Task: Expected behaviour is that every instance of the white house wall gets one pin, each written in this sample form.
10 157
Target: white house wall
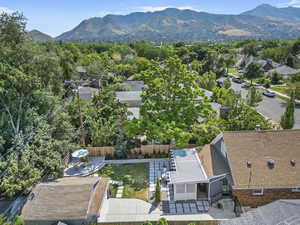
180 195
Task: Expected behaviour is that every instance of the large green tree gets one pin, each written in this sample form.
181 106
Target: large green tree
253 71
169 107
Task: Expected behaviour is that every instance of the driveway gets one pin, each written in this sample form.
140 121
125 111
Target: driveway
272 108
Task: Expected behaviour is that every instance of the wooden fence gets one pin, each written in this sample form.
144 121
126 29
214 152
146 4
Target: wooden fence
148 150
100 151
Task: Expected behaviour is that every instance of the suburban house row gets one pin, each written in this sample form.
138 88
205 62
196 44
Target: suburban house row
254 167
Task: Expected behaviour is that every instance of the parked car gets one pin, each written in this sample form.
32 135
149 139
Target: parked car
237 80
246 86
269 93
242 71
226 75
219 83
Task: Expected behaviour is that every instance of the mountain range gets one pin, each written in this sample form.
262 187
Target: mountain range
39 36
263 22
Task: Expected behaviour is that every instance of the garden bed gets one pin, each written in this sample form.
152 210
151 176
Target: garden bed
135 178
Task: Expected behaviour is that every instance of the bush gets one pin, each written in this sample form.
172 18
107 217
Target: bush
162 221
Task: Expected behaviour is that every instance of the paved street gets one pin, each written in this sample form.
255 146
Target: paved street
272 108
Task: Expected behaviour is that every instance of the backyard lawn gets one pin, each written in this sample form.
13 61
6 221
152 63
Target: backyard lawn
134 176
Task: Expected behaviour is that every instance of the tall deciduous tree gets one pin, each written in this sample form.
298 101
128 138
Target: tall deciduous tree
169 107
253 97
253 71
105 117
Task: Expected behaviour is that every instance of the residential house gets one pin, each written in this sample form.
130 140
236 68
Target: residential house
280 212
268 64
132 98
284 70
74 201
193 177
87 92
262 166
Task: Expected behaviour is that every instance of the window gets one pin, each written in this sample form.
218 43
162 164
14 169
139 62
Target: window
180 188
191 188
297 189
259 191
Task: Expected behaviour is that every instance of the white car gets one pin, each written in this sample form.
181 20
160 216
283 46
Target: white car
269 93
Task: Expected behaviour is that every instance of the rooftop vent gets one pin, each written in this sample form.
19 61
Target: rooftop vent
293 162
249 164
271 163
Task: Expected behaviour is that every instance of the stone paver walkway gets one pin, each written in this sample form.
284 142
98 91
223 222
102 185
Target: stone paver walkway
185 207
156 169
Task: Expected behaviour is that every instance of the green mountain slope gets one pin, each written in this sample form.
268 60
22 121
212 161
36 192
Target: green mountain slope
186 25
39 36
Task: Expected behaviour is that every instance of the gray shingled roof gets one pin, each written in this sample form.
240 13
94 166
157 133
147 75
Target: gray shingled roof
285 70
188 167
125 96
281 212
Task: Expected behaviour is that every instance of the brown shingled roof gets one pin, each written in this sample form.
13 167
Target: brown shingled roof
204 154
65 198
258 147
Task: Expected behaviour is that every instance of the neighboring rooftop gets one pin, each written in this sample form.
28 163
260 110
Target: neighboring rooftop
281 212
87 92
188 167
260 149
125 96
285 70
65 199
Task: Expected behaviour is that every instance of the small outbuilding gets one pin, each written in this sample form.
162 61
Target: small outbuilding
73 201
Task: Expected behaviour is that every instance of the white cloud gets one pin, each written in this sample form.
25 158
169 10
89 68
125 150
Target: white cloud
6 10
160 8
291 3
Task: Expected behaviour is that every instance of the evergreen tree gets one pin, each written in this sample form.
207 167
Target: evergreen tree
288 118
157 191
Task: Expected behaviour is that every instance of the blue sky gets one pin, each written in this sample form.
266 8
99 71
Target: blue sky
57 16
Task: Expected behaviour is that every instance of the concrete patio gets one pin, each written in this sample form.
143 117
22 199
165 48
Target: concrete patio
94 164
134 210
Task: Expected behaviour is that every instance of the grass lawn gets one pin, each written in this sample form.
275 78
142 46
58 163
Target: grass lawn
282 89
232 70
134 176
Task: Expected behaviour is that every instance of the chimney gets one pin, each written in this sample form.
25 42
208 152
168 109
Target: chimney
271 163
249 164
257 127
293 163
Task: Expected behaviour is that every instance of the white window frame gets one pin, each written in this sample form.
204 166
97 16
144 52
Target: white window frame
258 191
296 189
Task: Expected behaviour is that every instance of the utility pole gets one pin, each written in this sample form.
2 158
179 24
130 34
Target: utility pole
82 135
